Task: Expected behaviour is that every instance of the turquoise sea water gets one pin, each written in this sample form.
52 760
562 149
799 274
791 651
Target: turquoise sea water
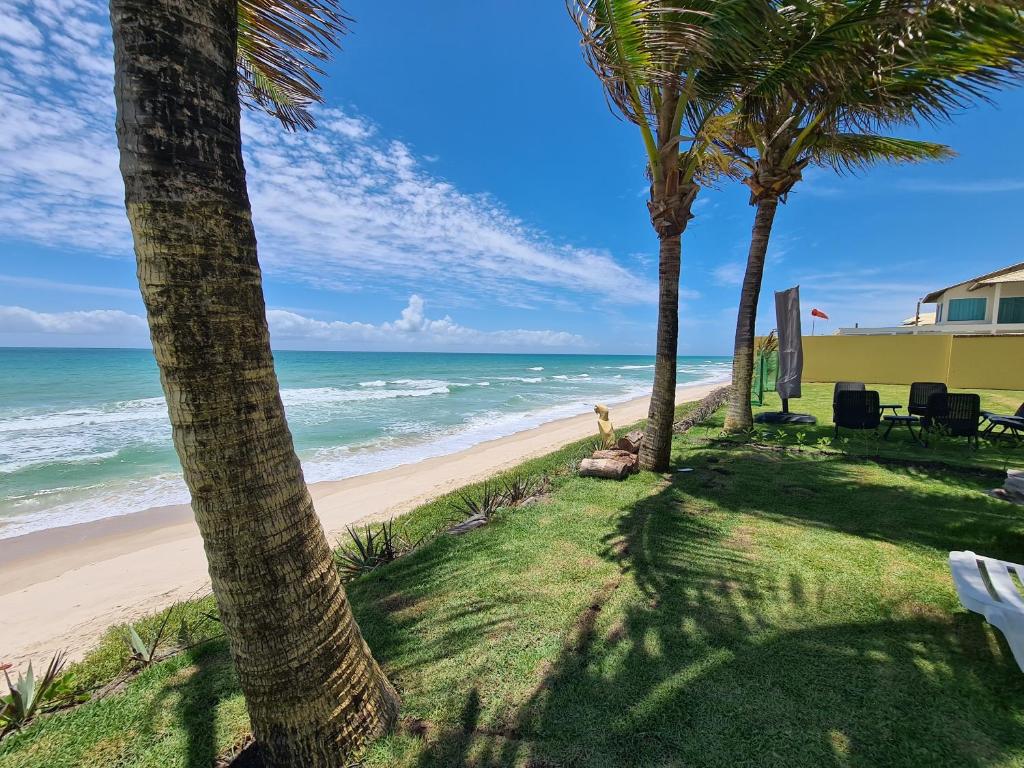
84 432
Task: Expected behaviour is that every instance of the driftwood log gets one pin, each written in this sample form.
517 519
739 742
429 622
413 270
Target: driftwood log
616 463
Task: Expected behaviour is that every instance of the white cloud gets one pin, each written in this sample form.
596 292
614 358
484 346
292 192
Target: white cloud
340 208
18 30
413 330
728 274
55 285
94 321
867 296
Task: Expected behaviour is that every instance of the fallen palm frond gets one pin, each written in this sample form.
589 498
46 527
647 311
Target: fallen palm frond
707 406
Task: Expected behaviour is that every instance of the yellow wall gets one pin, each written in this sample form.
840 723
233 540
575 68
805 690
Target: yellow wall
987 362
878 359
979 362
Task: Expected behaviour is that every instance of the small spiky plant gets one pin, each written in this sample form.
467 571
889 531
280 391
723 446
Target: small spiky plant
371 548
28 696
484 506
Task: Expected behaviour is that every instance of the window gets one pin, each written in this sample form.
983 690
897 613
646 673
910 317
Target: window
938 314
1011 310
966 309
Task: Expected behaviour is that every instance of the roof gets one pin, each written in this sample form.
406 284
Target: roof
927 318
1010 274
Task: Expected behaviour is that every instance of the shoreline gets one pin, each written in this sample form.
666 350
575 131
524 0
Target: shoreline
92 575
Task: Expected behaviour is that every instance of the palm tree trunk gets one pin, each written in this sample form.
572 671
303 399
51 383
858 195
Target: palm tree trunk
313 690
739 415
656 449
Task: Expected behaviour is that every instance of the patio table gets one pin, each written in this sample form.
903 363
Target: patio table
907 421
895 407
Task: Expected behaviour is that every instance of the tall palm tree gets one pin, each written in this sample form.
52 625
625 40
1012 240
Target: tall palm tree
313 690
835 76
661 61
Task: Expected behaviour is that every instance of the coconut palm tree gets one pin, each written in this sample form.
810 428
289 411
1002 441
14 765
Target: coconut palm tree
313 690
661 61
835 77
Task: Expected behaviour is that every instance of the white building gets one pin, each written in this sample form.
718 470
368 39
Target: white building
987 304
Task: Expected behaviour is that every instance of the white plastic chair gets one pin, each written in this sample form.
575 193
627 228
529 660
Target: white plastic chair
986 586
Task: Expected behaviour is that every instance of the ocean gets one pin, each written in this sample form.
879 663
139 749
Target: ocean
84 432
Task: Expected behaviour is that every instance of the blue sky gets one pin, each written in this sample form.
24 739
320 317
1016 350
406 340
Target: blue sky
468 189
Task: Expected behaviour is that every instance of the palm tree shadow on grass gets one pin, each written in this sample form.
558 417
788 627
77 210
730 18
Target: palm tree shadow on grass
717 663
192 697
392 603
387 611
941 508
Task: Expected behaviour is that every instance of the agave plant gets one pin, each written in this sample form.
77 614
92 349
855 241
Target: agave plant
28 695
371 548
143 652
490 501
520 488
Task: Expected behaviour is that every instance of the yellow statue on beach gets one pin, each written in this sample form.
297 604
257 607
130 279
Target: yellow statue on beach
604 426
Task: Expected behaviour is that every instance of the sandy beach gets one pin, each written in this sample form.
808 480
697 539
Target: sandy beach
62 588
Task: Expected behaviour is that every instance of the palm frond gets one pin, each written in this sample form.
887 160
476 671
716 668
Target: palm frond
817 47
280 43
852 152
955 56
880 63
635 46
639 47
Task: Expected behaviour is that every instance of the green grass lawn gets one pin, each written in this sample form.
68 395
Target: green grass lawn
781 605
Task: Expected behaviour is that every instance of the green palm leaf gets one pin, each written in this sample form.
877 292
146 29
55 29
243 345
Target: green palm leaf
953 57
280 45
661 61
847 152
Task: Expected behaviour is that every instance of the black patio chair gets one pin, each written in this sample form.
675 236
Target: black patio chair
957 414
1013 424
845 386
856 409
920 392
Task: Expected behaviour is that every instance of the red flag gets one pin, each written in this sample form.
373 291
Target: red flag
815 312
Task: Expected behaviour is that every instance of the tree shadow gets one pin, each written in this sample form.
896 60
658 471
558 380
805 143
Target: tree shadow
395 604
191 698
934 507
698 651
717 660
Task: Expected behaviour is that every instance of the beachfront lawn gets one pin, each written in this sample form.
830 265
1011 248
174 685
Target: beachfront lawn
780 605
